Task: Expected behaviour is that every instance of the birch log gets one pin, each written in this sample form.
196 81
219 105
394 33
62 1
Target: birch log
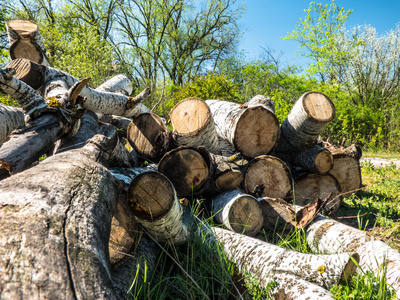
54 227
193 125
317 160
305 121
262 100
329 236
308 187
156 207
346 169
149 136
10 118
117 84
26 42
96 101
253 130
267 176
265 261
238 211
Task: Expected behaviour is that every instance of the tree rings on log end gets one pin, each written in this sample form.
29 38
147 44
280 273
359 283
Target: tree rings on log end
351 267
125 234
151 195
267 176
229 180
186 168
323 161
148 135
310 187
346 170
27 71
257 131
318 106
190 116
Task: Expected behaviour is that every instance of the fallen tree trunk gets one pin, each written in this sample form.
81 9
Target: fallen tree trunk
308 187
253 130
26 42
55 221
10 118
267 176
156 207
305 121
267 262
316 160
238 211
329 236
193 125
117 84
96 101
149 136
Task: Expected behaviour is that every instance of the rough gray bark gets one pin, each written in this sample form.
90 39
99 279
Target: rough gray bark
26 42
10 118
55 223
266 262
96 101
193 125
252 130
305 121
329 236
238 211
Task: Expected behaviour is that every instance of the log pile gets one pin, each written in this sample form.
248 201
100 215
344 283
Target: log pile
91 199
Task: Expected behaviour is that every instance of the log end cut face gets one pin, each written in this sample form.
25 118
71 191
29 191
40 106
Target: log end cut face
323 161
267 176
351 267
229 180
319 106
190 116
347 171
186 168
147 134
151 195
24 28
245 215
256 132
27 71
310 187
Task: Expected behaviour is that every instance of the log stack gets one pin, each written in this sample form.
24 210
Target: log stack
247 167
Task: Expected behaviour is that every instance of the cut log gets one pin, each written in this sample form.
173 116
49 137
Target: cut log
226 174
238 211
346 169
265 261
193 125
149 136
262 100
316 160
96 101
305 121
329 236
10 119
253 130
279 216
308 187
121 123
267 176
56 217
26 42
117 84
156 207
187 168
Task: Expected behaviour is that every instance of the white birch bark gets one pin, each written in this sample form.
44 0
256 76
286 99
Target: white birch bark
29 100
329 236
306 120
157 208
266 261
238 211
117 84
193 125
10 118
253 130
262 100
26 42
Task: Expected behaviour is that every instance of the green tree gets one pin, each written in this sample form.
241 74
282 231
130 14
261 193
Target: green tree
319 34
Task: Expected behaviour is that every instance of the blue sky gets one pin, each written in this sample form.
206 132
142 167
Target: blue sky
266 21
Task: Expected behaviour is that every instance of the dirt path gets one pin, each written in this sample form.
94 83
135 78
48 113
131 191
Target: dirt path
381 162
